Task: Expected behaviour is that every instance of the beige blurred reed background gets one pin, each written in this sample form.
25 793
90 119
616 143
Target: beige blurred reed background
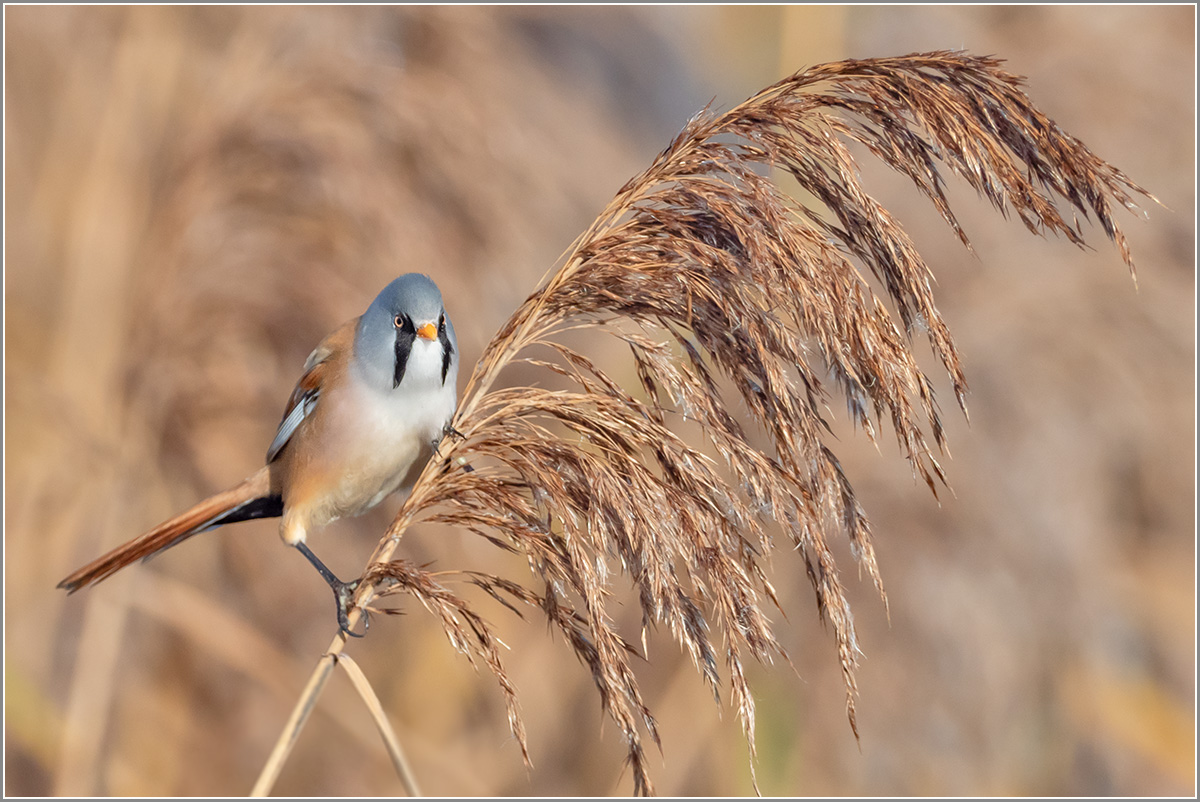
196 195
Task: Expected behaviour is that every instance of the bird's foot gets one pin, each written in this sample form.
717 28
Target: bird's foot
449 431
343 593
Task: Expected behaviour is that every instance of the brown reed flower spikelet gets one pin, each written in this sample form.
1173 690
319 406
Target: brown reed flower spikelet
729 293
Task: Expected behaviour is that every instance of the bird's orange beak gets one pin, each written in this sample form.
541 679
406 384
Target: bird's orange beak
428 331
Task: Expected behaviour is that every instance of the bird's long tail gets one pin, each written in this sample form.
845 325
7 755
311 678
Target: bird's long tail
250 499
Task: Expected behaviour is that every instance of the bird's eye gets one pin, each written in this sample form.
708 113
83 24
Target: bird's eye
403 323
442 324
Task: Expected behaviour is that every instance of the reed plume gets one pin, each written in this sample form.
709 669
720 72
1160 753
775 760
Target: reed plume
744 310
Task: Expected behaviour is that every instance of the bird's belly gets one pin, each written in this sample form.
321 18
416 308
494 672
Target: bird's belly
365 445
386 446
365 484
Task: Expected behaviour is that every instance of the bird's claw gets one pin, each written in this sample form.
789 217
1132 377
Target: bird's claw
344 594
447 431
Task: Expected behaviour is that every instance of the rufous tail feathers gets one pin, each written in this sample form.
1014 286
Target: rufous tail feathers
250 499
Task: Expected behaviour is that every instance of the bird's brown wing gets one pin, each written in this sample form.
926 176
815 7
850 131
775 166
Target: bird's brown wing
307 392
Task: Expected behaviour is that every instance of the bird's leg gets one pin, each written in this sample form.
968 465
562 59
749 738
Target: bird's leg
343 592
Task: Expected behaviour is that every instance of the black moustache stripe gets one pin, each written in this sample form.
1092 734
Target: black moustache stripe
404 344
447 352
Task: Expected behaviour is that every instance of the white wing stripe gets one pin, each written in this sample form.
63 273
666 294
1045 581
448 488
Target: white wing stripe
292 422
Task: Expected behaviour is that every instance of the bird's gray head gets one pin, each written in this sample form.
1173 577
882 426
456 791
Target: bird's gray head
406 333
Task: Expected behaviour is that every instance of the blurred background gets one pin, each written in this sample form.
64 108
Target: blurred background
195 196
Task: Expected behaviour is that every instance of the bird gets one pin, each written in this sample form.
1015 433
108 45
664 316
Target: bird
374 401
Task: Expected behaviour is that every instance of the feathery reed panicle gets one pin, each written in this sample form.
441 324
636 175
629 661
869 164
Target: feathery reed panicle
727 293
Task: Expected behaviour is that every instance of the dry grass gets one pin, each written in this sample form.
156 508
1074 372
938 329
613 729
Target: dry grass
745 285
195 196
